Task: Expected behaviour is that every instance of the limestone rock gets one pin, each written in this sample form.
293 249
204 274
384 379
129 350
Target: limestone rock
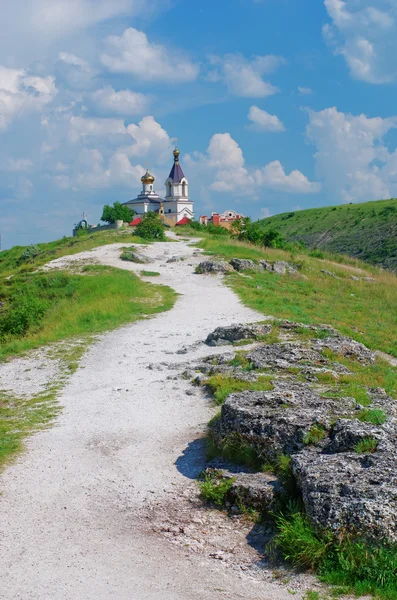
242 264
227 335
214 266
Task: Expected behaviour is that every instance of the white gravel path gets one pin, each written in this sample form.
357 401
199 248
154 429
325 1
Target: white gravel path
68 506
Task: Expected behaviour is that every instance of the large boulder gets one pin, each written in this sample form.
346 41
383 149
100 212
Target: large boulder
234 333
214 266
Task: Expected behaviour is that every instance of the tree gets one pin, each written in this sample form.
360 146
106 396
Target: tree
150 228
117 212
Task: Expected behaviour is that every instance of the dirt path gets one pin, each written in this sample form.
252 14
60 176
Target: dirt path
70 526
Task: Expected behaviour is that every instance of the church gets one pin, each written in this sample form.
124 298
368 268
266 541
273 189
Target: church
176 205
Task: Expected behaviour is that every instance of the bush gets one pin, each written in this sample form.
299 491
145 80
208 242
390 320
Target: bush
150 228
374 416
29 254
25 312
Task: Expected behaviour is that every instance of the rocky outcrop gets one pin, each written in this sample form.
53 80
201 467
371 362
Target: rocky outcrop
243 264
343 451
234 333
132 256
214 266
280 267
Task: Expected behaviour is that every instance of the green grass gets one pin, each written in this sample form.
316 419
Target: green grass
345 560
367 231
150 273
366 446
315 434
214 488
221 386
58 306
234 448
361 310
374 416
12 261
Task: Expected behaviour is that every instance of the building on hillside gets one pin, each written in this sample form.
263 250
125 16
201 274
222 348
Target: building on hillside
176 204
225 219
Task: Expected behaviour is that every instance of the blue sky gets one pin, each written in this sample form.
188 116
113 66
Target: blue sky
278 105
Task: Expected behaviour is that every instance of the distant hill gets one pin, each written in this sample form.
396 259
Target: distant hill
366 231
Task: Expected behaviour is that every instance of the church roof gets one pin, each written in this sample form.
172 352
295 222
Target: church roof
183 221
136 221
176 173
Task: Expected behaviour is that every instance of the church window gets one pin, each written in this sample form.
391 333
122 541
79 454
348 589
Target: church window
169 210
169 189
184 189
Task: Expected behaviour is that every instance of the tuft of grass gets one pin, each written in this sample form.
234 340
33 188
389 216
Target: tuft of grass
366 446
315 434
374 416
150 273
215 488
241 360
345 560
221 386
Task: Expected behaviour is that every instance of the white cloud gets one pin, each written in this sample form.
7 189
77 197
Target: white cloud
224 160
93 171
22 93
82 127
265 213
149 139
133 53
352 158
273 176
305 91
244 77
366 36
74 61
124 102
263 121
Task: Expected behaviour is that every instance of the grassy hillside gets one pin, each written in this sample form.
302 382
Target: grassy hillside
366 231
358 308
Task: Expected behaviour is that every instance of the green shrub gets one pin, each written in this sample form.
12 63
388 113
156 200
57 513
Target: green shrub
150 228
130 256
215 488
29 254
117 212
150 273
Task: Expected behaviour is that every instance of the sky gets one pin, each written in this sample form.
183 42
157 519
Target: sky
276 105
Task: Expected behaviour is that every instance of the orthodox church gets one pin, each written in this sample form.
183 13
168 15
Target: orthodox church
176 204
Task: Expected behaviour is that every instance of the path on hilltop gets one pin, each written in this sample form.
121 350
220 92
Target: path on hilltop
69 503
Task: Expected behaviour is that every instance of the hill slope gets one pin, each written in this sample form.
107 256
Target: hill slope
366 231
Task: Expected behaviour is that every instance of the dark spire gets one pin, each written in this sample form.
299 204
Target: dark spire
176 173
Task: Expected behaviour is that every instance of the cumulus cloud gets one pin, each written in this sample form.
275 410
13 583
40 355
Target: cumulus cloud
352 157
17 165
94 171
245 77
364 32
83 127
263 121
74 61
150 139
22 93
133 53
225 161
124 102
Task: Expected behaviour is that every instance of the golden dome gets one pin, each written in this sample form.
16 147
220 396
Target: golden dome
147 177
176 154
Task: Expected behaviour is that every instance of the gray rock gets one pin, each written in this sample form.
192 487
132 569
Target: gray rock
346 347
254 490
265 265
227 335
285 356
214 266
175 259
280 267
329 273
276 422
350 490
242 264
